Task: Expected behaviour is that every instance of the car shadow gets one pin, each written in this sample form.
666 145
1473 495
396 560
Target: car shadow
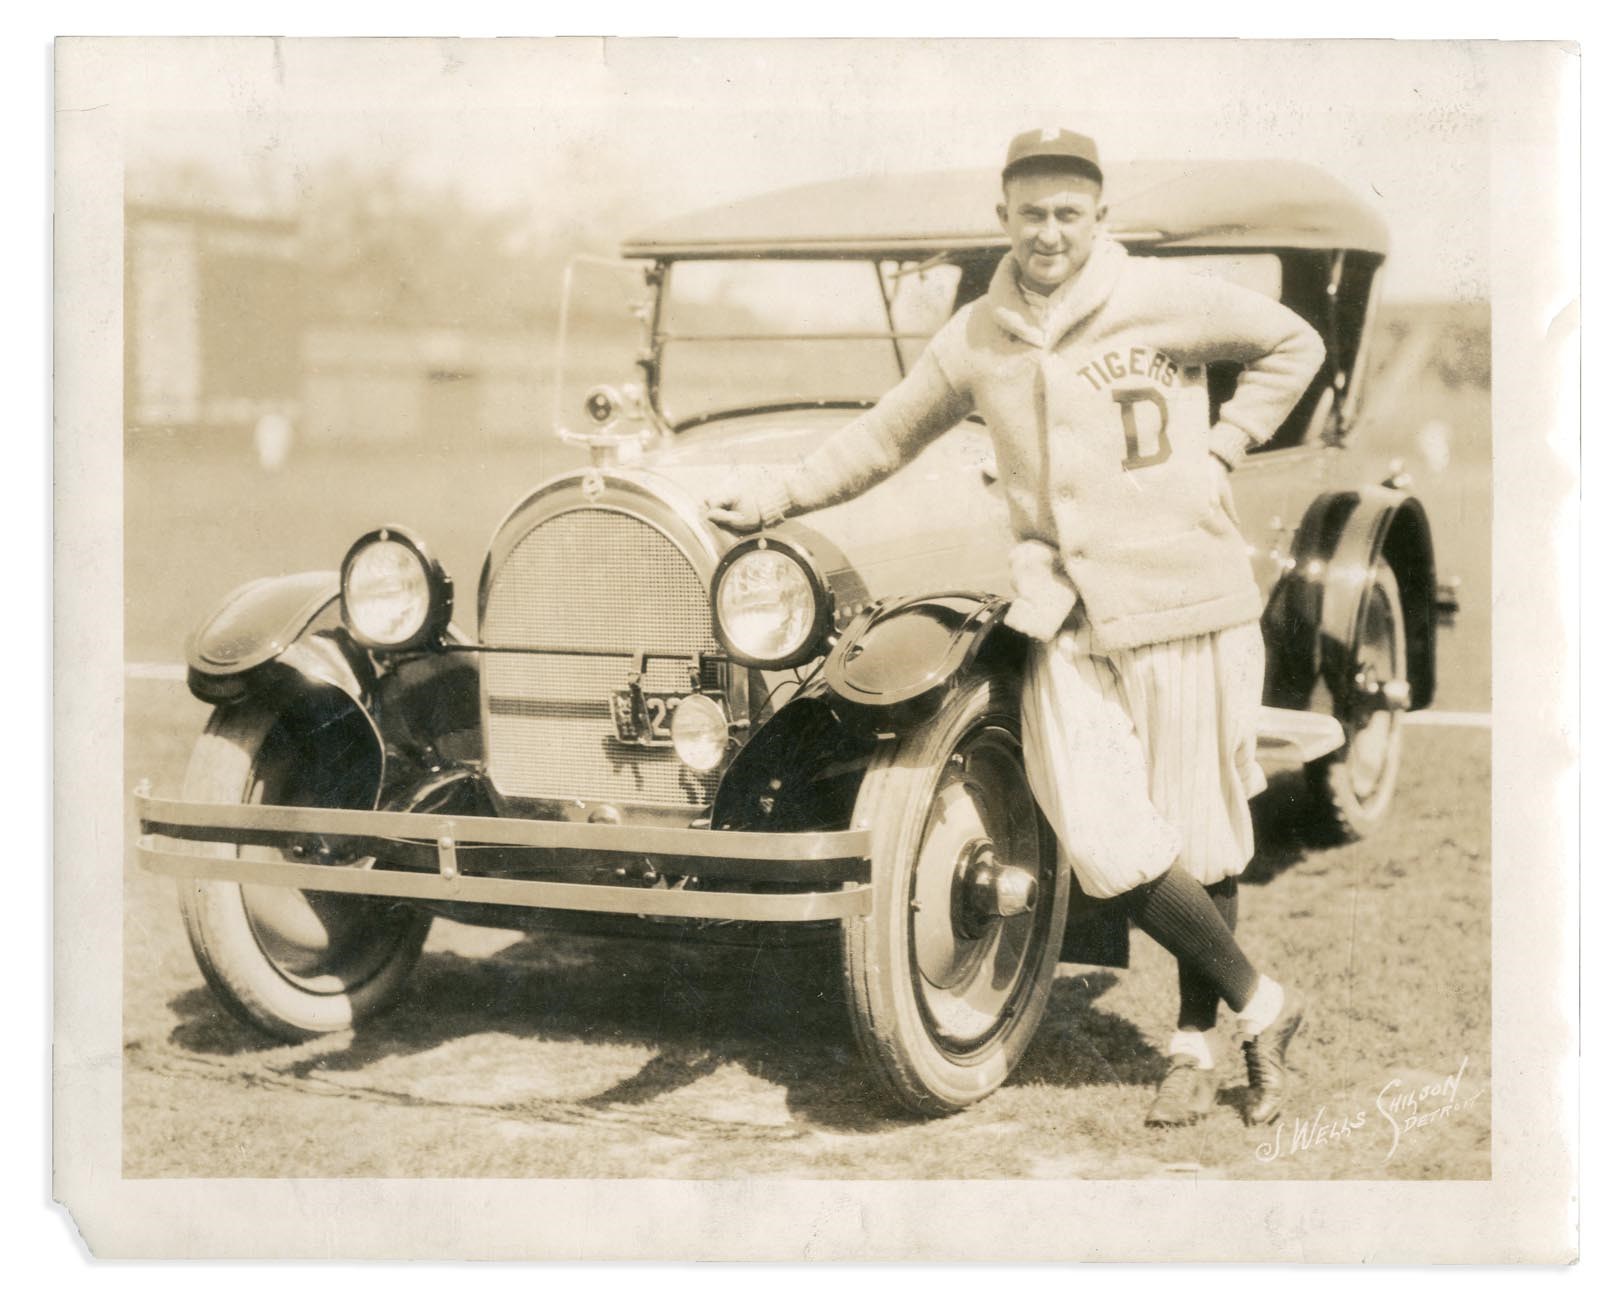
206 1028
1078 1045
778 1014
1286 827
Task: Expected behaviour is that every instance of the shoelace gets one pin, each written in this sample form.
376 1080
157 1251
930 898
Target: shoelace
1255 1064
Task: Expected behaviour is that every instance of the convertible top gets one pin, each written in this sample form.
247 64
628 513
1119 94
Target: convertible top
1198 204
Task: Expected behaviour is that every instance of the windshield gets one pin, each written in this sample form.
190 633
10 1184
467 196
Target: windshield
740 335
754 333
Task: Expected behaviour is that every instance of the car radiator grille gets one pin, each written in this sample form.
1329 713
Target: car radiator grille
589 580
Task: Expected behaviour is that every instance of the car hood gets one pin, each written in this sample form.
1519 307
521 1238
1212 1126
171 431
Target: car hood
937 524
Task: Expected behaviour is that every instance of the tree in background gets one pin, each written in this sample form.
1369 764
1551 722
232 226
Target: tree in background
379 249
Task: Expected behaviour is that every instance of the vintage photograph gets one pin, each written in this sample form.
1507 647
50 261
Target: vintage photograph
809 611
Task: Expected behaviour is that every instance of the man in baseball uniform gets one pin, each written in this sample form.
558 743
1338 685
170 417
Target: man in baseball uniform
1145 674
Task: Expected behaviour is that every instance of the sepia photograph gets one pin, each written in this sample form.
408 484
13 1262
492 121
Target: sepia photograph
755 611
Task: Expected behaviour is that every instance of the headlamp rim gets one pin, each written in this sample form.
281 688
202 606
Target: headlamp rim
821 595
441 590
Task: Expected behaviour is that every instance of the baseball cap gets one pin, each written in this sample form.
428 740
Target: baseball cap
1064 145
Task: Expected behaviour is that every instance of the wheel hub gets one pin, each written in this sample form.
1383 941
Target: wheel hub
1380 693
975 896
984 889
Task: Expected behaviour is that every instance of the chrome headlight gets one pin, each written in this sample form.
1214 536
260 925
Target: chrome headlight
395 595
771 607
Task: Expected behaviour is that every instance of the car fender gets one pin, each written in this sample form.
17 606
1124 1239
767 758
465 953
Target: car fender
885 673
279 641
254 624
799 770
892 663
1313 614
428 707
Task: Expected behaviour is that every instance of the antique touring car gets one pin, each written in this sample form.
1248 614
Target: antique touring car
654 727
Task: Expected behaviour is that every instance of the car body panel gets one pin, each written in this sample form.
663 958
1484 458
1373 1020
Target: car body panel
889 541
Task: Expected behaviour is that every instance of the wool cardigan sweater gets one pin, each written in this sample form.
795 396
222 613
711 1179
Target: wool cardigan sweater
1100 415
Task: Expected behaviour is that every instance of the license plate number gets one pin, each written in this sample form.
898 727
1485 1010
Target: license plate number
644 718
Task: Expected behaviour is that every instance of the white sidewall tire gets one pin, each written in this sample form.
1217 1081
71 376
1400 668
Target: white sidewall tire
221 769
881 993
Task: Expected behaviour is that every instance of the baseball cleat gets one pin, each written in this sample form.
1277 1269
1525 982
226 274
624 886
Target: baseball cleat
1264 1062
1186 1093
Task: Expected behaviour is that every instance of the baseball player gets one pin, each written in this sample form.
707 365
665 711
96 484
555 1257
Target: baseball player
1145 671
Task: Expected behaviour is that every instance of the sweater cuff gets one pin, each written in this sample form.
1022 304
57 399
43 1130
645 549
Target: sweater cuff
772 502
1044 595
1040 618
1229 443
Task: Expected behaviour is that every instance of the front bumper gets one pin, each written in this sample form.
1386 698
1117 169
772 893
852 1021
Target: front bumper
824 875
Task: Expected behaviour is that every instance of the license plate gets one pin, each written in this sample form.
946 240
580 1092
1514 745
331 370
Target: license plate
644 718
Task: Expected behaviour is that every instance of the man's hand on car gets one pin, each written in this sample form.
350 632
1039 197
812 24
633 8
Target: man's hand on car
733 510
736 512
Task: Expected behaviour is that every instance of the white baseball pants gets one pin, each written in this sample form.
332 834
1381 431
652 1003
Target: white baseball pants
1146 756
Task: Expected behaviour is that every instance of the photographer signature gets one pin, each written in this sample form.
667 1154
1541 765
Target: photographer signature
1401 1107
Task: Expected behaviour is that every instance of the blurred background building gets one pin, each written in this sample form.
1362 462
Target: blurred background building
370 311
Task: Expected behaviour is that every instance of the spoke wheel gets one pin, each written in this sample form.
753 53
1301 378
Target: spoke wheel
291 962
949 975
1353 788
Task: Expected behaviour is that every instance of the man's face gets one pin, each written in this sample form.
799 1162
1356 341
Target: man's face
1052 217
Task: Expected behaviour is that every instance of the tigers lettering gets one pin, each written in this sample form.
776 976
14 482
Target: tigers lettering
1116 364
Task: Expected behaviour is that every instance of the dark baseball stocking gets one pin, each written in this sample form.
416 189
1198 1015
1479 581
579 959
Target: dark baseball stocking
1176 912
1197 996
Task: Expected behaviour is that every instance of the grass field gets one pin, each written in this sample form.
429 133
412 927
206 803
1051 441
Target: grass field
540 1056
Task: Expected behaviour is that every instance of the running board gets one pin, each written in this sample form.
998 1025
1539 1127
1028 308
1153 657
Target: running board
1290 737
